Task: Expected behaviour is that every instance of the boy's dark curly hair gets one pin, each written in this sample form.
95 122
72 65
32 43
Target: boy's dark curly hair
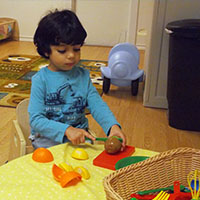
58 27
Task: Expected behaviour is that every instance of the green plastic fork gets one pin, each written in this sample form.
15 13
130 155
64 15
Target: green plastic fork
182 187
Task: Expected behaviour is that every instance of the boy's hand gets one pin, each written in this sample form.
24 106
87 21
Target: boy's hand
116 131
77 135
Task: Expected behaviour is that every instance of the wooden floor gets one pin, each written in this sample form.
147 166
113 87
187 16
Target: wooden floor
144 127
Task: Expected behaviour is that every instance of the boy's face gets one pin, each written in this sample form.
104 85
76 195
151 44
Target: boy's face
64 57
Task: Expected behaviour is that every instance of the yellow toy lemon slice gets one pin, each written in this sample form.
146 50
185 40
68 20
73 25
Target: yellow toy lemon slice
79 154
82 171
66 167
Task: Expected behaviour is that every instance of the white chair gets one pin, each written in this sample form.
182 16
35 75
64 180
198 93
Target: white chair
20 143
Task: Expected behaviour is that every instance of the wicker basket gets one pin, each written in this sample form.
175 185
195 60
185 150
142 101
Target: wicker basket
158 171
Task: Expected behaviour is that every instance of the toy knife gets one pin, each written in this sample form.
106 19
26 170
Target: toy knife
103 139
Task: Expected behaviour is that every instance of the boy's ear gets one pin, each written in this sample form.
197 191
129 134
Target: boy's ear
46 54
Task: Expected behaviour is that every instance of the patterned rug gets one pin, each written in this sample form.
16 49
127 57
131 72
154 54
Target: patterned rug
16 72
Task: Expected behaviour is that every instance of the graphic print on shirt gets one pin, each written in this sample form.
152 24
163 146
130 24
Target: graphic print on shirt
64 105
56 98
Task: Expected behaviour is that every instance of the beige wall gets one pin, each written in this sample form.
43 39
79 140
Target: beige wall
108 22
105 20
29 12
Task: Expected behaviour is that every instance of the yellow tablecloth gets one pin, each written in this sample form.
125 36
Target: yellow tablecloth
25 179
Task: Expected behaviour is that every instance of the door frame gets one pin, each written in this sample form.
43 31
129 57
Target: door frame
133 21
151 97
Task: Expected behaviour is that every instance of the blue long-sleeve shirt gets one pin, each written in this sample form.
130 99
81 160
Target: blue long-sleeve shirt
58 100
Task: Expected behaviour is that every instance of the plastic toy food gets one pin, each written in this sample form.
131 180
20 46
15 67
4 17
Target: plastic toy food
42 155
112 145
83 172
65 178
57 172
70 178
66 167
79 154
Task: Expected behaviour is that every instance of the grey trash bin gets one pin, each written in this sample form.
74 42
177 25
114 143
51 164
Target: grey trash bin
183 87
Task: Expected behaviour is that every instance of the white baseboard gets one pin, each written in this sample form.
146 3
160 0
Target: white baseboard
26 38
156 102
141 47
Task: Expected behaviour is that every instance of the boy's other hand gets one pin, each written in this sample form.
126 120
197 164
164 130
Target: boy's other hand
116 131
77 135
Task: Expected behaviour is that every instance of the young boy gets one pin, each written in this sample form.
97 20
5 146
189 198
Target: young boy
61 91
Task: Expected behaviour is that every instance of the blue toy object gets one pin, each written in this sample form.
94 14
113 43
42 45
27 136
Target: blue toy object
122 69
